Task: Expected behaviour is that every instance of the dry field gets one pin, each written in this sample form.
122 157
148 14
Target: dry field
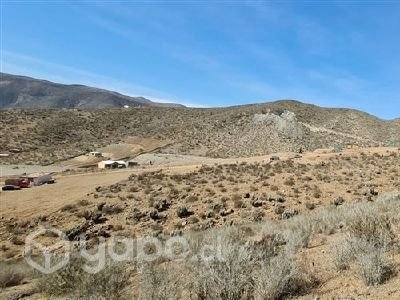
320 226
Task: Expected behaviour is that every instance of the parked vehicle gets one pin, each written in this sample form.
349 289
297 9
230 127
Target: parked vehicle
43 179
10 187
20 182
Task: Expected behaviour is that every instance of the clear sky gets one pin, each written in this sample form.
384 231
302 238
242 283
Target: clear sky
213 53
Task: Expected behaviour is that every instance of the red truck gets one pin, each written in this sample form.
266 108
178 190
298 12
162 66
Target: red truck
21 182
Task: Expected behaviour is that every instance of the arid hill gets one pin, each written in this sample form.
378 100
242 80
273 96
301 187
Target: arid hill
25 92
46 136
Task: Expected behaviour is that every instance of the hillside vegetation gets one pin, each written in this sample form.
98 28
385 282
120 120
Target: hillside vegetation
46 136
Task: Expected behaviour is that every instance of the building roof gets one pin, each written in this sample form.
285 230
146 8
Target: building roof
35 175
108 162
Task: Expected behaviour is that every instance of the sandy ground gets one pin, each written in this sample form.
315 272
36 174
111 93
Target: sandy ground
132 147
15 170
48 198
70 188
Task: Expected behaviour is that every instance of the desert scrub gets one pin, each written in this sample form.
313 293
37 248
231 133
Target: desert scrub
298 233
12 274
159 283
372 227
280 278
68 207
183 212
228 278
369 237
374 265
110 282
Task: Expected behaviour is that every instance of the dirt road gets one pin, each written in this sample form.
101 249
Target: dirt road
67 189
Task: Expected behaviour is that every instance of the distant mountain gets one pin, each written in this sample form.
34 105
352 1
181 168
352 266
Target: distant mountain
25 92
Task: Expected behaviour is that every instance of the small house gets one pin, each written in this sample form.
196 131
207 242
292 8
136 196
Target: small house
112 164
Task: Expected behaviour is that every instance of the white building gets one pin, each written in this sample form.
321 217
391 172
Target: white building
112 164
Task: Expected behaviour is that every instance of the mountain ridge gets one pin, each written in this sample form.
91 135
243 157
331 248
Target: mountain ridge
17 91
49 134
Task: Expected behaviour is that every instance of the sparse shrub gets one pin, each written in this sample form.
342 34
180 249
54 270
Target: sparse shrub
159 283
193 220
72 280
289 182
68 207
289 213
236 197
279 209
274 188
160 204
299 233
134 189
11 274
109 283
66 281
374 265
258 215
342 257
192 198
226 279
280 198
268 246
310 205
338 201
17 241
83 202
153 214
280 278
376 229
3 247
317 195
112 209
253 188
183 212
238 203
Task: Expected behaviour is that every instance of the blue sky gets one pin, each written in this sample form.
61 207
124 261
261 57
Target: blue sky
213 53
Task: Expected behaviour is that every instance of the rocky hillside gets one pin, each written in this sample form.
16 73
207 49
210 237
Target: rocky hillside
26 92
46 136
